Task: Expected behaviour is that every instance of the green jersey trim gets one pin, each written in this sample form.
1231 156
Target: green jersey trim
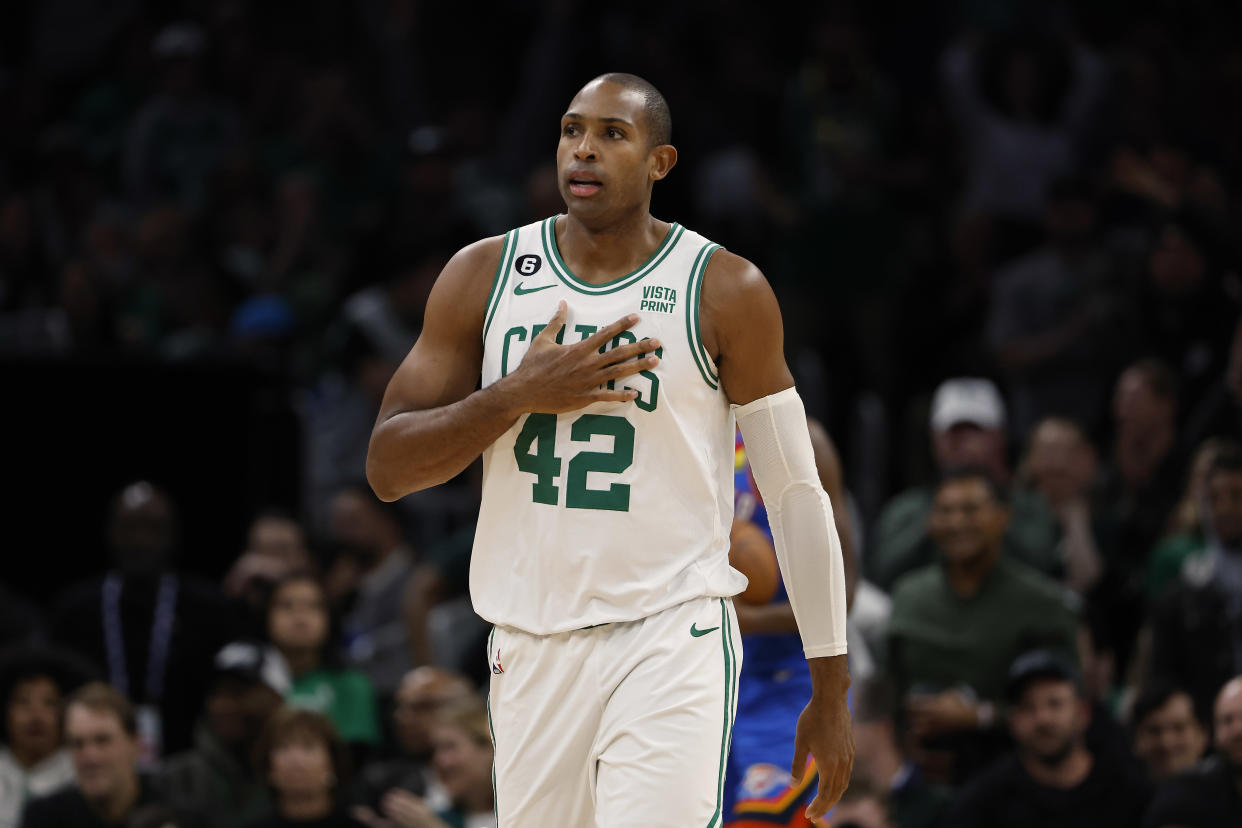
730 701
563 272
694 289
502 275
491 637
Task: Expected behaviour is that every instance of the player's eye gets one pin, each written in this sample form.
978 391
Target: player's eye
613 132
569 129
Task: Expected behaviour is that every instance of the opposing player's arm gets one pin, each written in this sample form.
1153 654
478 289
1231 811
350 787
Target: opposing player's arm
433 423
741 324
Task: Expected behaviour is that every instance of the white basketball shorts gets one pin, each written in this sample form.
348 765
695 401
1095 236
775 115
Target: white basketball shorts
624 724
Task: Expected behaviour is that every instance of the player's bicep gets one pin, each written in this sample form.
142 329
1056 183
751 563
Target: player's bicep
445 362
743 320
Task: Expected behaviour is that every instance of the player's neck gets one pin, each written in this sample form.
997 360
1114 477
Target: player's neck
602 253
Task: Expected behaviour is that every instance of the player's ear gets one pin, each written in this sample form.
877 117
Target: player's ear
660 160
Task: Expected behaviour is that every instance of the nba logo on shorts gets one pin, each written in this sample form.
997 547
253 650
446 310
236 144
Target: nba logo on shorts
496 666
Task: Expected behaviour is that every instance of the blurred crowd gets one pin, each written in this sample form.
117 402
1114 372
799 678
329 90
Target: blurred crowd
1004 237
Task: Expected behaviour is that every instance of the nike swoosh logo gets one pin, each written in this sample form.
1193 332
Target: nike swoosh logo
696 632
518 290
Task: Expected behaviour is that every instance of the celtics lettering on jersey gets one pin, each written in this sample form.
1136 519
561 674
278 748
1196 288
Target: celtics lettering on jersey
535 450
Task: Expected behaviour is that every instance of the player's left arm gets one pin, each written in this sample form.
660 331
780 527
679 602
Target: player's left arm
778 617
742 331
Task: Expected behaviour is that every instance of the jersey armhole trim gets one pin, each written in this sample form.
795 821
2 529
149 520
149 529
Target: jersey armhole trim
694 290
502 276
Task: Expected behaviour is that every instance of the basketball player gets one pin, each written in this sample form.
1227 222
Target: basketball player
615 352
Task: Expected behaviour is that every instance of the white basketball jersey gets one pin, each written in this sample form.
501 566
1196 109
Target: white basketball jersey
618 510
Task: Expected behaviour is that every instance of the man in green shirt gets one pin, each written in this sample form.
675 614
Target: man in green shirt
958 624
967 429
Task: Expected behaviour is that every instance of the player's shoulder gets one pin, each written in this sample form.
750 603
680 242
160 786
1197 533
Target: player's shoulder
735 293
728 270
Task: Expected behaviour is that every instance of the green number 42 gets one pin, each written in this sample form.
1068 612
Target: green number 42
535 452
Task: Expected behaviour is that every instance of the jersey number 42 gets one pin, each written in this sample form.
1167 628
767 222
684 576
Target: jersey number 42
535 452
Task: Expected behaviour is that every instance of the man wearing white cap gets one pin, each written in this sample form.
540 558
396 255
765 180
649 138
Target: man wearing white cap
967 430
216 778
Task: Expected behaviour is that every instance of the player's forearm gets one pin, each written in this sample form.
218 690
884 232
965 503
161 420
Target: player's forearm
830 675
414 450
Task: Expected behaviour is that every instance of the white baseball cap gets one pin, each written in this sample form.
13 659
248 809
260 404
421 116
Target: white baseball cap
260 663
967 400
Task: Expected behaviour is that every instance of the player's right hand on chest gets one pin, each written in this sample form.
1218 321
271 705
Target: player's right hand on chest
555 378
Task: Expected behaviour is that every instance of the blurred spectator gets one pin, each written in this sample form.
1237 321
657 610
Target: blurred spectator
1220 412
1054 323
337 416
391 314
1210 794
967 429
1022 104
21 261
864 805
1061 464
1187 316
160 628
21 621
102 734
181 132
957 624
1054 781
1213 501
33 760
462 743
216 777
275 546
1197 624
1140 477
840 110
368 583
1191 513
441 623
1138 490
1168 736
305 763
880 764
866 628
299 625
424 691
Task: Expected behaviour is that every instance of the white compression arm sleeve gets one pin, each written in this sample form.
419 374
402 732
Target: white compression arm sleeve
778 445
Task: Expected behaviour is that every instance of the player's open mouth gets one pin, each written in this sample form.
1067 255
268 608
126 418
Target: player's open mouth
584 186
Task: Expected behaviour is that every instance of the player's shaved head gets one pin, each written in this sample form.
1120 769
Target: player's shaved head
655 108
